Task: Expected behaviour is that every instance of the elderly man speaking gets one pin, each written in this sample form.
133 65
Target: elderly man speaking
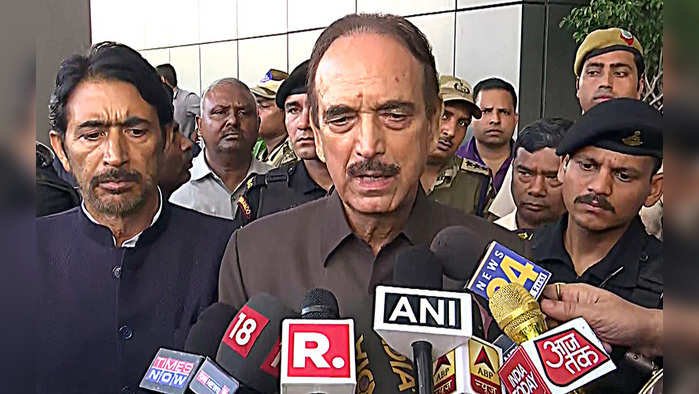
375 109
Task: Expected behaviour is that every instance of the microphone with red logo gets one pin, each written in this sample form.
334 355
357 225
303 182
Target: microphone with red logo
318 349
418 319
250 348
556 361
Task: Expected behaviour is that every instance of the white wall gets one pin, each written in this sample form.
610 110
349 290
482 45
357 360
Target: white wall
210 39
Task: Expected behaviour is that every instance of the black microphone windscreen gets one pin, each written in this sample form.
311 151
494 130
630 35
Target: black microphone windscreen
205 335
320 304
458 250
250 348
417 267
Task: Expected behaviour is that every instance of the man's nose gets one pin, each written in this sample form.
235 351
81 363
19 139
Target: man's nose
538 186
370 137
115 150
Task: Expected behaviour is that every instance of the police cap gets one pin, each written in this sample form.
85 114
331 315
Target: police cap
295 84
622 125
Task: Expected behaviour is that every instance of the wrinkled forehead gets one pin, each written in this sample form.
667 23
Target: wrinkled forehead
228 94
365 68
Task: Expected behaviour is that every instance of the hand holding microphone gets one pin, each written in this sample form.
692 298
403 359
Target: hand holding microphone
555 361
614 320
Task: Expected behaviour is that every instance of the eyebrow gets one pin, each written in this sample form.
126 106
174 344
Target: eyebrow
336 110
396 104
292 104
129 122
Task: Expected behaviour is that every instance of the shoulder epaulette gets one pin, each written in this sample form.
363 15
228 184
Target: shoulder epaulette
279 174
472 166
255 181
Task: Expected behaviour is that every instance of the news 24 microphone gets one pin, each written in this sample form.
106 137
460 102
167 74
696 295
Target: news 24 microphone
318 349
457 247
250 348
205 335
171 371
557 361
415 318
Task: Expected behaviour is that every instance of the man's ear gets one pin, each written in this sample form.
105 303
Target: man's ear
59 149
563 167
656 190
318 141
577 86
640 87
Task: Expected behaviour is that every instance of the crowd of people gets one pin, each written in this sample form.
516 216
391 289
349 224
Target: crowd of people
154 203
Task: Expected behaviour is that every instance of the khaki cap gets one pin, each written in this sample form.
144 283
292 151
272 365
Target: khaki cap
453 88
269 84
603 41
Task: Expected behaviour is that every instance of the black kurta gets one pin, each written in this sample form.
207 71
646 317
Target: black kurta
106 310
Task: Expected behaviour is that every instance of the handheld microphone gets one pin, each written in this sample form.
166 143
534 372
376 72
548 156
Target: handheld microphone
205 335
457 246
318 349
417 320
250 347
171 371
211 379
560 360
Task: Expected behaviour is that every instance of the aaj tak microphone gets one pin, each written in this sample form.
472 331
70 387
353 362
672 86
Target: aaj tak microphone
417 320
250 347
318 353
557 361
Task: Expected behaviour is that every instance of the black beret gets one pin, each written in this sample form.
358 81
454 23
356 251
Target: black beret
295 84
622 125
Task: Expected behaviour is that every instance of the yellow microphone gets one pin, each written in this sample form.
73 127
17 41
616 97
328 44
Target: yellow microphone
517 313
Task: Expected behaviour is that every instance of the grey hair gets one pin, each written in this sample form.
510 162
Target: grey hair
224 81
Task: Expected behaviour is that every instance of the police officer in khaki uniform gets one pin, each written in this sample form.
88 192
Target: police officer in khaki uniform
609 171
292 184
449 179
273 146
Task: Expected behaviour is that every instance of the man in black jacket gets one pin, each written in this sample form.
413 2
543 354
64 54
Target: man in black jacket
125 272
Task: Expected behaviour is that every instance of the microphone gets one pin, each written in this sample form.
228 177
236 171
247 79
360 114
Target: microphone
205 335
417 319
171 371
318 349
498 266
556 361
250 346
469 369
211 379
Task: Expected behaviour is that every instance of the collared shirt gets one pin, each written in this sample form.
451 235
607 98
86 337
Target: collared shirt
280 155
314 246
186 109
463 184
205 192
131 242
508 221
470 151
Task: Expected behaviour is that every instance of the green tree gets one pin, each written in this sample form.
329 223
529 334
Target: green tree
644 18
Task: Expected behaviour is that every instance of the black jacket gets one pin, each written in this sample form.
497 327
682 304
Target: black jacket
105 310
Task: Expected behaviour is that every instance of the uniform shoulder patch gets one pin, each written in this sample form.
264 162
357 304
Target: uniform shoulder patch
244 207
255 181
472 166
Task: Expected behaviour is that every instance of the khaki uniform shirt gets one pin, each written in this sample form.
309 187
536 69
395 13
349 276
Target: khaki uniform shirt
282 154
290 252
465 185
